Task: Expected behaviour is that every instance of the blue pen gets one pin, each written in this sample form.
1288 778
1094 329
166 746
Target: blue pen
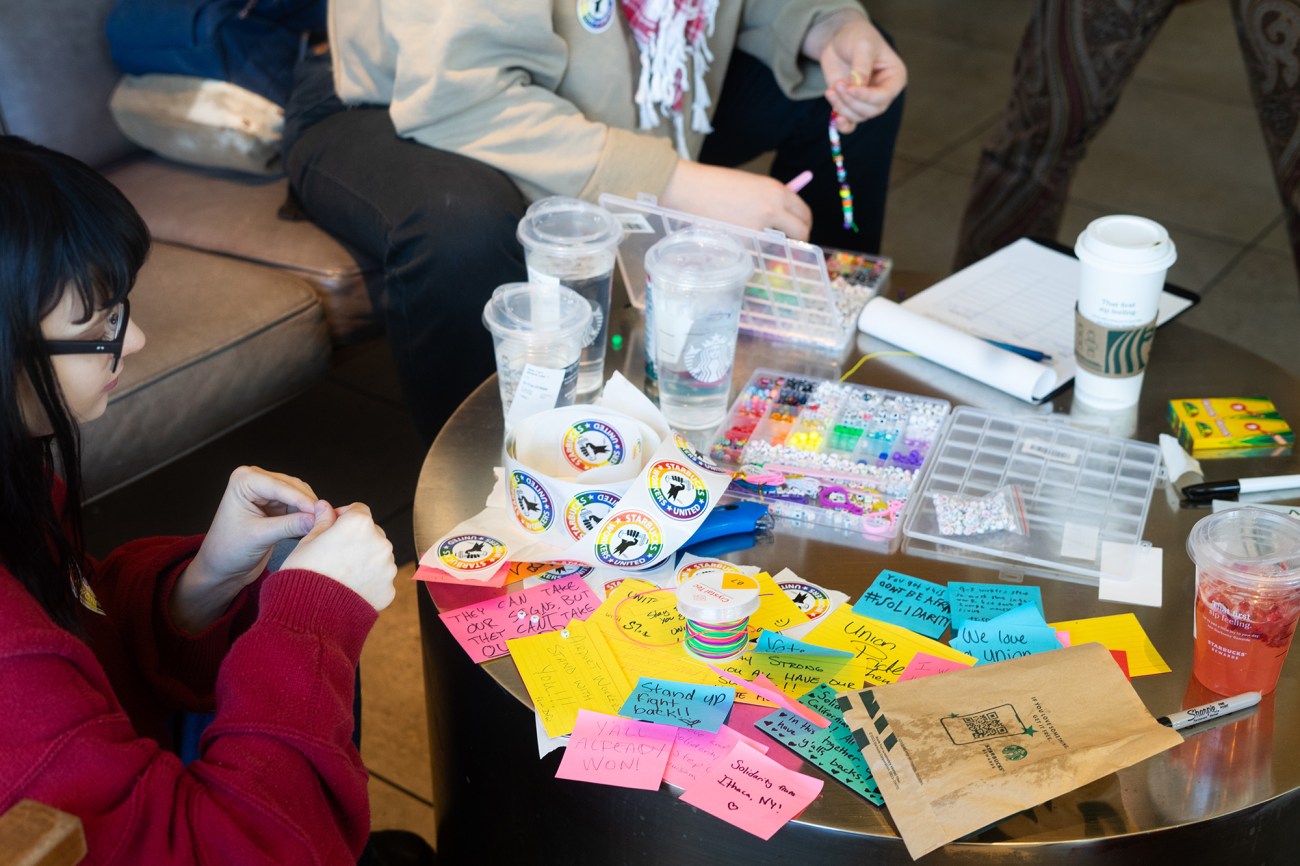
1031 354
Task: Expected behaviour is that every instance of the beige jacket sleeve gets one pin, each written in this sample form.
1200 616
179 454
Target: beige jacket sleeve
480 79
774 31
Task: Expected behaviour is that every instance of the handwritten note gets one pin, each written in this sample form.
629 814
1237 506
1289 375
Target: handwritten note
833 749
642 613
670 663
883 648
775 610
983 601
683 705
569 670
484 629
926 665
753 792
990 642
1121 631
771 642
908 601
695 752
795 674
608 750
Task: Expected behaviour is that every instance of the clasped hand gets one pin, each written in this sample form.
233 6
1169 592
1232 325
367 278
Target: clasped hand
260 509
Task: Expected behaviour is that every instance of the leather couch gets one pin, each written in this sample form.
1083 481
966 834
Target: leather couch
241 309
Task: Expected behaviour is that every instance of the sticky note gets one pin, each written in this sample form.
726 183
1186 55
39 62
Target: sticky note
1121 631
908 601
642 613
882 648
682 705
989 642
484 629
926 665
609 750
753 792
568 670
771 642
833 748
775 610
983 601
695 752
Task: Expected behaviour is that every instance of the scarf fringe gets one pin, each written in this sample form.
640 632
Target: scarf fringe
664 78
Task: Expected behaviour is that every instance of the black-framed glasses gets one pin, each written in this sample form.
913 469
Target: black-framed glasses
114 337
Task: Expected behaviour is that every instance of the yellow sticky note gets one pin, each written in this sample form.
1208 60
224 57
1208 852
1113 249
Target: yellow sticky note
568 670
776 612
673 663
1120 631
642 613
884 649
798 674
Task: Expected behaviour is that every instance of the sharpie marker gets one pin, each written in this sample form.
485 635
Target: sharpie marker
1233 486
1206 712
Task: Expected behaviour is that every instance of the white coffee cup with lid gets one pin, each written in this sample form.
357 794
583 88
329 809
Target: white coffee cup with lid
1124 260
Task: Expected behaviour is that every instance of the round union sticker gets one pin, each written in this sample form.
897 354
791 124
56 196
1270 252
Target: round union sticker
586 509
812 600
677 490
590 444
471 552
560 572
595 15
531 502
699 569
629 539
691 453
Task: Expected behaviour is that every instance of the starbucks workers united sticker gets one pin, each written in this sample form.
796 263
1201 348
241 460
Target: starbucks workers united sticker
471 552
629 540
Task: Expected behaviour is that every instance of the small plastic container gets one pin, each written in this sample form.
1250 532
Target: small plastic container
717 608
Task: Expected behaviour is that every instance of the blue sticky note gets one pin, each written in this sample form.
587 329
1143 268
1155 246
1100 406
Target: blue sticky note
983 601
1026 614
683 705
833 748
990 643
903 600
776 643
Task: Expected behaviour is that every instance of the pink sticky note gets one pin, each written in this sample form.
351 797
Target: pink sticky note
1063 637
746 717
484 627
765 688
695 751
437 575
926 665
753 792
610 750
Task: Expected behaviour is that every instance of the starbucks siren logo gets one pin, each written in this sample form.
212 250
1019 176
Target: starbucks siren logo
710 359
586 510
591 443
531 502
678 491
629 539
471 552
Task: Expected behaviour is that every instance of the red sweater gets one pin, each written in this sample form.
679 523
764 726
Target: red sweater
278 781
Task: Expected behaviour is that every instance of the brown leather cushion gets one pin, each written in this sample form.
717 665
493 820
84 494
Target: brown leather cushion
235 215
225 340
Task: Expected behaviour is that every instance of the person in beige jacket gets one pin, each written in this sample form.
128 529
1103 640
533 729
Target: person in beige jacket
436 122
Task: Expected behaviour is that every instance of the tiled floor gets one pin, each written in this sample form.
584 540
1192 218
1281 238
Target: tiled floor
1183 148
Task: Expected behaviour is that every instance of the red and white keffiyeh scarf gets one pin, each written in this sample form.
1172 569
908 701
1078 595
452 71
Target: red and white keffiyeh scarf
668 32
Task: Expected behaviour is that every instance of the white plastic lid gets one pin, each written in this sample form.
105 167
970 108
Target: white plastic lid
1249 547
699 258
1126 243
718 598
522 311
568 226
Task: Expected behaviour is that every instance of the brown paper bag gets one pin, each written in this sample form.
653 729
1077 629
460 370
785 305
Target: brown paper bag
956 752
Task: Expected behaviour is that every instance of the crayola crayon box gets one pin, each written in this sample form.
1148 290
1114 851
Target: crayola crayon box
1230 424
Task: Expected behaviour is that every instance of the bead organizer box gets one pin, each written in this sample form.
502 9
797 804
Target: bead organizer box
826 452
1074 491
799 293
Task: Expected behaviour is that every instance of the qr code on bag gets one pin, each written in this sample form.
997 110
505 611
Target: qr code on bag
999 721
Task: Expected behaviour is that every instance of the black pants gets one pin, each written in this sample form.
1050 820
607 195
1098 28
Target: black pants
443 225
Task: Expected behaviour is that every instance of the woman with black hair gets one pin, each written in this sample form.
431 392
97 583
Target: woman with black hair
97 657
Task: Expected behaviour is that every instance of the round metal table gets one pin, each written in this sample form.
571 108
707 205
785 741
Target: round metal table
1231 788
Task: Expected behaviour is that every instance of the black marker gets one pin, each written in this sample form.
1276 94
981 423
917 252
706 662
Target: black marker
1206 712
1233 486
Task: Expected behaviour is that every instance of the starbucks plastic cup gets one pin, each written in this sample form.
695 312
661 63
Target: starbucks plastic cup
536 333
717 608
1247 597
695 284
574 244
1123 264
